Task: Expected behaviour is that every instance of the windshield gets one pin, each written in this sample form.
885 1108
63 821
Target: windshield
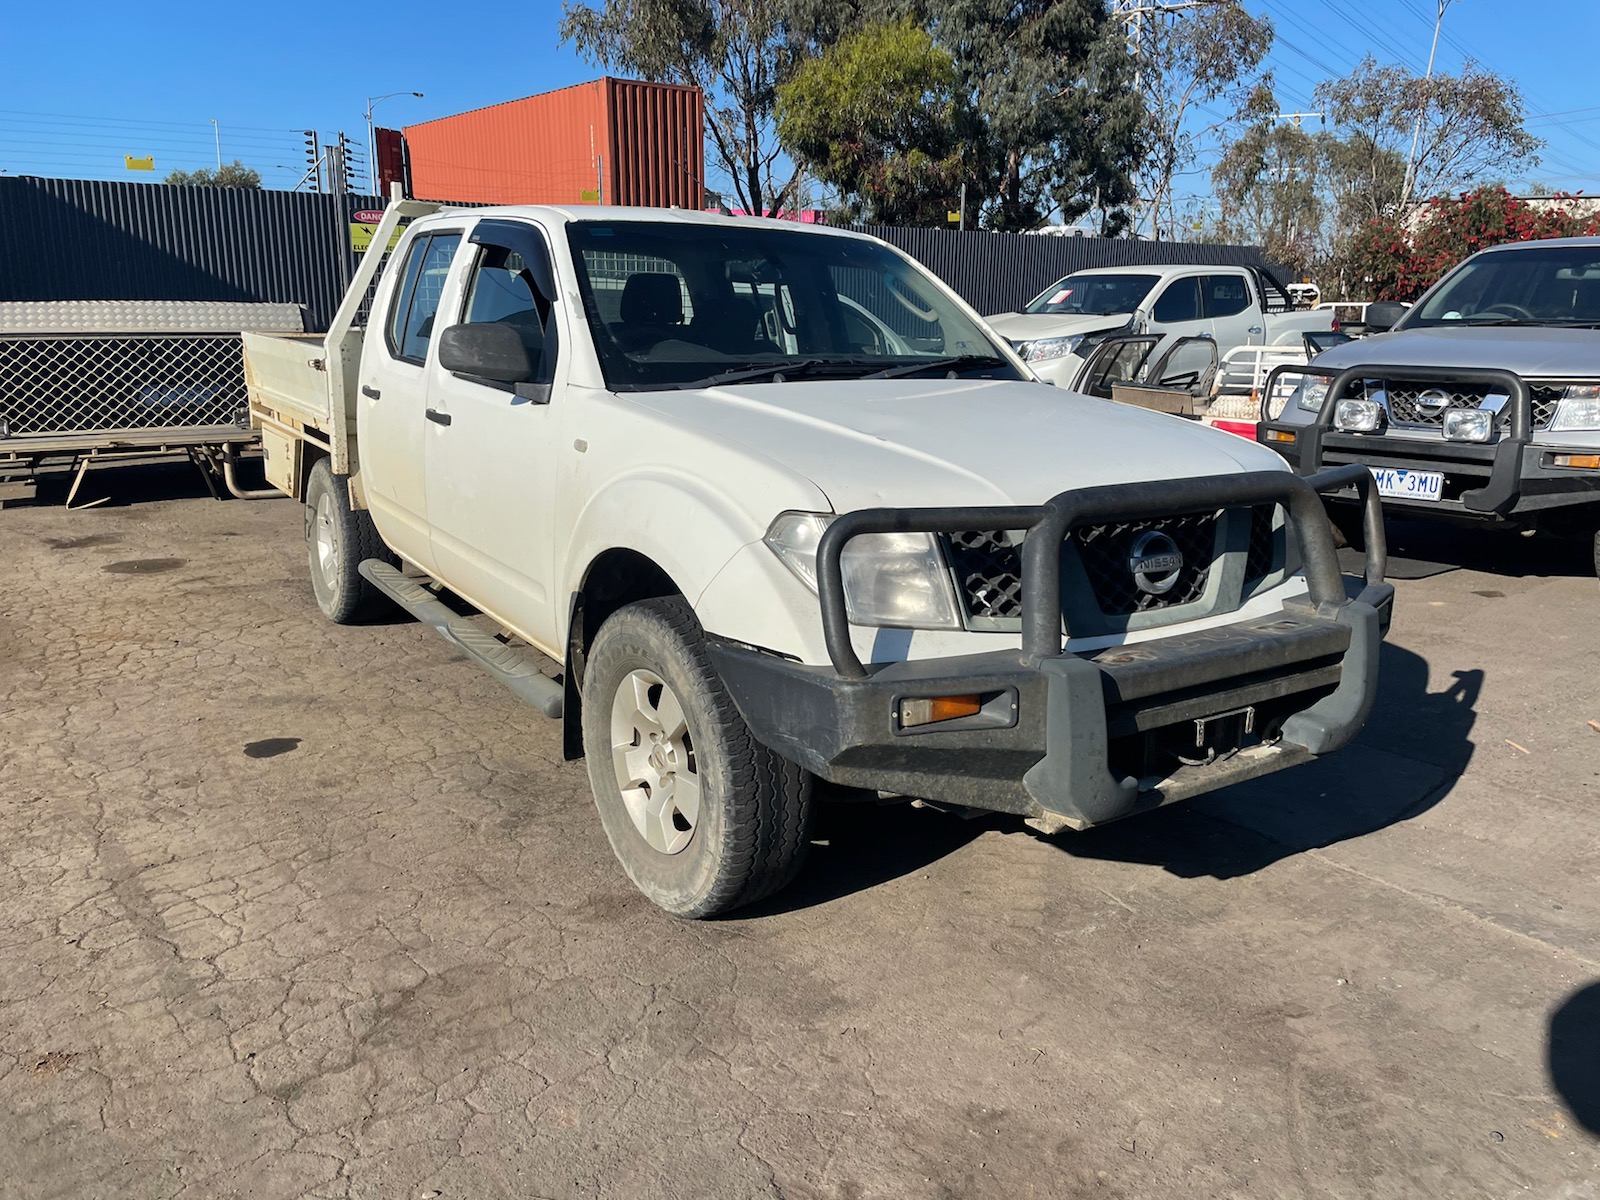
1544 285
1093 295
675 304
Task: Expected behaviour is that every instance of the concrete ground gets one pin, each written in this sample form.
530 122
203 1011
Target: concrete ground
291 909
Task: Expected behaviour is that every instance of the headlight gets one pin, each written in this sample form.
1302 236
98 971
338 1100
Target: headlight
1044 349
1579 409
1469 425
1313 391
892 580
1356 416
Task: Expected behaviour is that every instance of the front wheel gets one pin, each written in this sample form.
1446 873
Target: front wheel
702 817
338 538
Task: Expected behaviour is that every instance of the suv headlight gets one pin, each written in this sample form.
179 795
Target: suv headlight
1044 349
891 580
1579 409
1313 391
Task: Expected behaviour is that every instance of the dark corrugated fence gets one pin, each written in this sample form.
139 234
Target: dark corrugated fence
1000 272
77 239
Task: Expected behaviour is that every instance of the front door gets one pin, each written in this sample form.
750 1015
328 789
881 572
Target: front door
491 446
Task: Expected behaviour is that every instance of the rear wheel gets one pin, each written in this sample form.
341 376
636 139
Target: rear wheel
338 538
702 817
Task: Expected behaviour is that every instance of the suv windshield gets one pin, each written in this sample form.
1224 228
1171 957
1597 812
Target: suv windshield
681 304
1540 285
1093 295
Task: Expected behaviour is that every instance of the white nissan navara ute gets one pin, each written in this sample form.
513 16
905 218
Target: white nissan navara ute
748 506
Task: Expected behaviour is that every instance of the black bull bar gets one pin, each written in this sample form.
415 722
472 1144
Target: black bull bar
1048 524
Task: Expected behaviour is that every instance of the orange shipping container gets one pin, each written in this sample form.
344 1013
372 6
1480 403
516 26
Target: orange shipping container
613 141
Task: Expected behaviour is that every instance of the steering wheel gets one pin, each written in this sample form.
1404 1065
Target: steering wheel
1511 310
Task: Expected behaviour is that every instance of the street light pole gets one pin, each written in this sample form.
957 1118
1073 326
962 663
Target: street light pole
372 157
217 129
1416 128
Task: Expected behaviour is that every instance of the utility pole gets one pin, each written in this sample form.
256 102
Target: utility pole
1416 128
1141 20
1295 117
217 130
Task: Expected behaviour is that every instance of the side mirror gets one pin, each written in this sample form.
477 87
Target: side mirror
487 351
1382 315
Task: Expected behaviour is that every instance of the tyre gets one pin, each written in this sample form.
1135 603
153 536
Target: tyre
702 817
1597 553
338 538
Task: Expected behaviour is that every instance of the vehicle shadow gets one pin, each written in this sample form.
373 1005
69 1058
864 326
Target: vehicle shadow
1414 748
1418 549
1573 1055
116 485
1416 745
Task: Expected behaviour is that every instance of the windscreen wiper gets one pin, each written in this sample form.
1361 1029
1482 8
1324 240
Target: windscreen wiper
960 362
777 372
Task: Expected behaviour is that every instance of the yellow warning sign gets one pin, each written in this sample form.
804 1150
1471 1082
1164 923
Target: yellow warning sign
589 197
361 235
148 163
953 217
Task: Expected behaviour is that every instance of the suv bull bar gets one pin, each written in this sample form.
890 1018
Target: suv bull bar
1501 491
1048 524
1079 739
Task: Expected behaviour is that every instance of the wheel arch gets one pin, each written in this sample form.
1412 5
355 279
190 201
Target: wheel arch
617 576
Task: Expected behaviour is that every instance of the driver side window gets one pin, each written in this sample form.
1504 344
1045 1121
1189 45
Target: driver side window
502 292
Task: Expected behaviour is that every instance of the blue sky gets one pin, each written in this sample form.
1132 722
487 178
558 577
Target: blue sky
86 85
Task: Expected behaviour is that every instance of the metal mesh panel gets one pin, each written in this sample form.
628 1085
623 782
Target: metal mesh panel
1263 553
1545 397
1406 405
88 383
988 570
988 565
1107 549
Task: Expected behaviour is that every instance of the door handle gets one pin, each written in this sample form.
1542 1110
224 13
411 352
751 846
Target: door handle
1255 329
437 417
370 392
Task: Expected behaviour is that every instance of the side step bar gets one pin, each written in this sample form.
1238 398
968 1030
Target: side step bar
511 667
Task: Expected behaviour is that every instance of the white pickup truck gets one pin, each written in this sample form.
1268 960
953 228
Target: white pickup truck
1232 306
748 505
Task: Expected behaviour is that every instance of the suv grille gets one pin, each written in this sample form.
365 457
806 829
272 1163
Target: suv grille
1406 407
1106 549
987 565
1545 397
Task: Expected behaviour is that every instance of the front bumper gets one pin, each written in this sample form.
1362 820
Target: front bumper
1081 739
1506 480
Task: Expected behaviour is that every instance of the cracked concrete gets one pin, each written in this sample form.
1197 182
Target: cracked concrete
390 955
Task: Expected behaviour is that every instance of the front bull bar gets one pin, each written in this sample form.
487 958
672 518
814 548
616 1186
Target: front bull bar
1048 524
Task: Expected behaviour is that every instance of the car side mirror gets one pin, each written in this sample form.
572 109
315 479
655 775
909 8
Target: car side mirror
487 351
1382 315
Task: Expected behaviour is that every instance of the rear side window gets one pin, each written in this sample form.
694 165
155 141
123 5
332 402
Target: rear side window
416 304
1180 302
1225 295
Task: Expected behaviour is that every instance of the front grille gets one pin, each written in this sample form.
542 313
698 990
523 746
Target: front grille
1545 397
1106 550
987 565
1406 407
1263 553
988 571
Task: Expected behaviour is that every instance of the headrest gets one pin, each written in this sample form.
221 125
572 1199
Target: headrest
652 299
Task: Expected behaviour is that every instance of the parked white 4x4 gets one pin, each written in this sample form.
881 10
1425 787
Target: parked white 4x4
1232 306
770 505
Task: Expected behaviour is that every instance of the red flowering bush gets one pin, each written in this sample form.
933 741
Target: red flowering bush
1400 263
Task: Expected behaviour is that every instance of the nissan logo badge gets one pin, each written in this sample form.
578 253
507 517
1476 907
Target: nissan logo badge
1434 399
1155 562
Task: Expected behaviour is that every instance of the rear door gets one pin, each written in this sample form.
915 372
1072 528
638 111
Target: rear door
491 446
1228 302
393 393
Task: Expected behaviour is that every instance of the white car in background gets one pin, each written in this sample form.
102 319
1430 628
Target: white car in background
1232 306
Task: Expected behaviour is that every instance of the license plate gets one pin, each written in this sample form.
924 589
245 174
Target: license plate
1402 484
